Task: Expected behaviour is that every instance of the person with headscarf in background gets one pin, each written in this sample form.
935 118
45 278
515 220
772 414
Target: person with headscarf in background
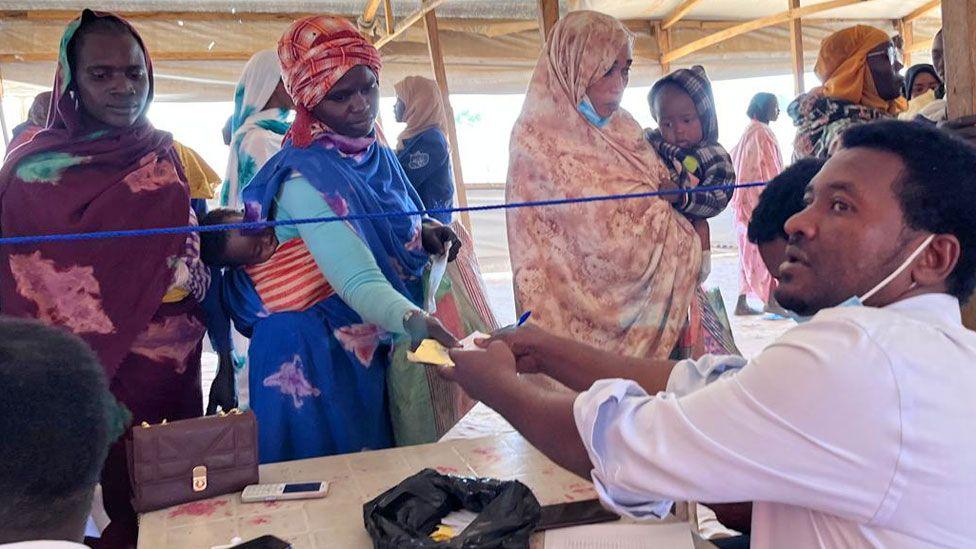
859 70
422 148
757 158
923 86
261 118
322 377
617 275
100 165
36 121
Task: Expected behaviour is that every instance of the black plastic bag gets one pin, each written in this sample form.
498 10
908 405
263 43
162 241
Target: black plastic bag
406 515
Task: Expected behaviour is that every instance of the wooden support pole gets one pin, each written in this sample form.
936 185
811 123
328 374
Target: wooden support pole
663 45
388 11
678 13
958 27
440 75
796 50
749 26
907 31
548 16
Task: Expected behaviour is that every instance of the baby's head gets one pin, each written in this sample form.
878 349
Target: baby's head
683 121
780 200
231 248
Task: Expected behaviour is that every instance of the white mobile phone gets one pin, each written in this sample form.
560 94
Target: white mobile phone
271 492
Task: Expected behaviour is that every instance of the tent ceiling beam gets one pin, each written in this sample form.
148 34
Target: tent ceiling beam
922 11
678 13
408 21
749 26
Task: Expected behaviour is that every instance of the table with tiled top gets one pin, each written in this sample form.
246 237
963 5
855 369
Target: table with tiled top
337 520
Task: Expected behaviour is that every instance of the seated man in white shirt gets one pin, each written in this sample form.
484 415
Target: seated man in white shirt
853 429
56 422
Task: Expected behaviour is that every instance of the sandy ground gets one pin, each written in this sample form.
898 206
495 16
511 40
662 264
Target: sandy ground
752 334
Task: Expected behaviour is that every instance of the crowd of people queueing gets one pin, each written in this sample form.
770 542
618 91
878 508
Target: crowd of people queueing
317 318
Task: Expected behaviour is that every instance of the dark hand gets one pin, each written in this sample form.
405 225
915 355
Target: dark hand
963 127
438 239
421 326
484 375
527 344
223 392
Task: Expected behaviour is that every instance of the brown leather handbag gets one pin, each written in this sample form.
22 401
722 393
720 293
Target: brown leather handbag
192 459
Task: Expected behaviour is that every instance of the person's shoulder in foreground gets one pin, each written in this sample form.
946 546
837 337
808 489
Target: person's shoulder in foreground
57 420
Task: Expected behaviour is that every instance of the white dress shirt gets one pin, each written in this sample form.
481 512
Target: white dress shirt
854 429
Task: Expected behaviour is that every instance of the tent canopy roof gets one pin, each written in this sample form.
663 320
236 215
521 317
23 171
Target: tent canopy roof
200 46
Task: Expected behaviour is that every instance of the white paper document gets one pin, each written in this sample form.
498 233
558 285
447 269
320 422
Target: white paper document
438 266
675 535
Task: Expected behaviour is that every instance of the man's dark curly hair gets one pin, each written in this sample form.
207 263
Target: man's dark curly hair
780 200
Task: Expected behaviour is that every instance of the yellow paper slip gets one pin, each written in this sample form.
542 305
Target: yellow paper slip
430 352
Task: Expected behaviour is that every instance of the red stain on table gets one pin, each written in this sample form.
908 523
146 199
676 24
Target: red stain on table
258 521
272 504
198 509
580 488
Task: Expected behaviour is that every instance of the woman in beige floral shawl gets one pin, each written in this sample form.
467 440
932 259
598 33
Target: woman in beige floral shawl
618 275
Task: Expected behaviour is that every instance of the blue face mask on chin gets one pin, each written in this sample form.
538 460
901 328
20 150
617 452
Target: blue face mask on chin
589 113
858 301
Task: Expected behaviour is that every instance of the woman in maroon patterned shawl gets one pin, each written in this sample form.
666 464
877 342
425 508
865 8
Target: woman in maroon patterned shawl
100 165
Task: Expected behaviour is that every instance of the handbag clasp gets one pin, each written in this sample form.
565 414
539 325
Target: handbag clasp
199 478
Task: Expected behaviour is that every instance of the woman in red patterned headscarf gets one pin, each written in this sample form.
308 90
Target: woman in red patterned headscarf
335 390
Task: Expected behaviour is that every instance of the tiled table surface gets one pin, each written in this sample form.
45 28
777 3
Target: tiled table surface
337 520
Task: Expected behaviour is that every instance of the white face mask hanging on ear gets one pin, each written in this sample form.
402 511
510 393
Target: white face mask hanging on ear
855 301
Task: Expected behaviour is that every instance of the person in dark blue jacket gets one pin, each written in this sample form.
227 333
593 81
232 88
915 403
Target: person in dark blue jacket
423 149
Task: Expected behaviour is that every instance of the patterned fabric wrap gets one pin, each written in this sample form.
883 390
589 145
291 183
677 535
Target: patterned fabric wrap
315 53
256 133
757 158
629 293
70 179
820 121
714 165
290 280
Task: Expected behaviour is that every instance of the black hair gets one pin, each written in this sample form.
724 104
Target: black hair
759 106
213 244
937 189
57 420
780 200
91 24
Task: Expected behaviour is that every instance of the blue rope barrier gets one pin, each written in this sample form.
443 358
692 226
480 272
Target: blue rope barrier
250 226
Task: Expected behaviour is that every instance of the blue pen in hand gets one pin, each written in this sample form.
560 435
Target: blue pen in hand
523 319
